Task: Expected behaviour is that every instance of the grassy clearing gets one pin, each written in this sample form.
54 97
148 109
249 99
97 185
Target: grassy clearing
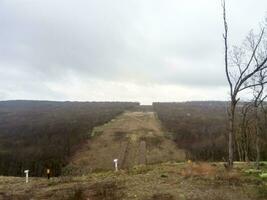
132 137
178 181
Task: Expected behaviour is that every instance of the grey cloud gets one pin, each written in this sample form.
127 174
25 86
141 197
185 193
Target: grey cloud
154 41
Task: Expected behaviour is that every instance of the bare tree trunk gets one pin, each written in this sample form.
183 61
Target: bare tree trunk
257 137
231 134
242 145
246 147
239 150
258 152
245 131
242 77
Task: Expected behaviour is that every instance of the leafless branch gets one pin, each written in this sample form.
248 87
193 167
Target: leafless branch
251 85
225 36
242 79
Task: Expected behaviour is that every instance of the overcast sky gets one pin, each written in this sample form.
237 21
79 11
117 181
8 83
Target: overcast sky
119 50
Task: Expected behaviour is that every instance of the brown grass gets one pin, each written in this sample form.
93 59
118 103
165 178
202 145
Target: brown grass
107 190
230 177
198 169
119 136
130 128
162 196
78 194
153 182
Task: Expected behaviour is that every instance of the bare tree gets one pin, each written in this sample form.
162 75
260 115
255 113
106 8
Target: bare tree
239 72
258 94
243 134
264 112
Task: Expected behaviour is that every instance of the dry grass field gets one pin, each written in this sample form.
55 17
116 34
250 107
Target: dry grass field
166 181
133 137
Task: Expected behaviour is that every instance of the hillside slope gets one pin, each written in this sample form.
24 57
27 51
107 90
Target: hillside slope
133 137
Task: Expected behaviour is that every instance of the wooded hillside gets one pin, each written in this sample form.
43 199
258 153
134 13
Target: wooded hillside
201 128
39 134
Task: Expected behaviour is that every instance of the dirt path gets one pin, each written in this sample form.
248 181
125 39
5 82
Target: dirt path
133 137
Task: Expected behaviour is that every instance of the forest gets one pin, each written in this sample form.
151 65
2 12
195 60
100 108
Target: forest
201 129
36 135
43 134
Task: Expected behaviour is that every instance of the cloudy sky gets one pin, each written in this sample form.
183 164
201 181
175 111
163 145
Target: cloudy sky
124 50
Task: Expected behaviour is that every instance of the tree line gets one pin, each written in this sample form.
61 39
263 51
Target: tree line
201 129
36 135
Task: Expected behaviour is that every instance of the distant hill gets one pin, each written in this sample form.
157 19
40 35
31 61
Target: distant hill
40 134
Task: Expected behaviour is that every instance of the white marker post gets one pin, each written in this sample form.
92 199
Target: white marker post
27 175
116 164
